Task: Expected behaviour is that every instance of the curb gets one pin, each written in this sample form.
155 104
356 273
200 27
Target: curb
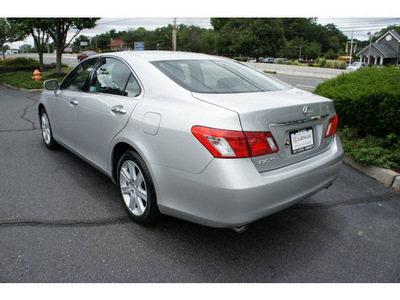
21 89
387 177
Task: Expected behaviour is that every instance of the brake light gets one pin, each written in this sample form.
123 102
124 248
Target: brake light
237 144
332 127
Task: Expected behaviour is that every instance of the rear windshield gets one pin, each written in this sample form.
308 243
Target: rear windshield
217 76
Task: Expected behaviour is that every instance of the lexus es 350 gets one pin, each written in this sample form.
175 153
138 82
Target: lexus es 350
193 136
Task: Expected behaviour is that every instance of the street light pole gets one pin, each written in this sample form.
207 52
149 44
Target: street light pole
174 36
300 53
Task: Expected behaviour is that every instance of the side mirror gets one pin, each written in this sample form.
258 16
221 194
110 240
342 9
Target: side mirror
51 85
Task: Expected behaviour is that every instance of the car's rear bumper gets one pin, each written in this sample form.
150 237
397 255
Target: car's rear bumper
230 192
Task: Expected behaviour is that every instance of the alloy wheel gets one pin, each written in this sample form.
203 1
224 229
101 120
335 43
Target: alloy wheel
133 188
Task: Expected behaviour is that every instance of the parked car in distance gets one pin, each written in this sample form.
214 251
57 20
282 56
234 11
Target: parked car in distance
356 66
85 54
276 60
198 137
267 60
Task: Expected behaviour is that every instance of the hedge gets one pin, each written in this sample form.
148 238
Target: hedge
368 100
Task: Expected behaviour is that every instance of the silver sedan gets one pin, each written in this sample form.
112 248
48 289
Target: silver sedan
198 137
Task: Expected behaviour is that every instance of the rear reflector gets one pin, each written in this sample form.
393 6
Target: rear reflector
229 144
332 127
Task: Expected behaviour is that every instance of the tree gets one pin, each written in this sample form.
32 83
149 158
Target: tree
249 36
35 28
76 45
9 34
58 29
312 50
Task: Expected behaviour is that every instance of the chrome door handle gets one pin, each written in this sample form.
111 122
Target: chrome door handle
118 110
73 102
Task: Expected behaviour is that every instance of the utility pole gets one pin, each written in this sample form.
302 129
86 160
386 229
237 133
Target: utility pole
174 36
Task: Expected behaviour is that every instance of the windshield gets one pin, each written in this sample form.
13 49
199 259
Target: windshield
217 76
355 64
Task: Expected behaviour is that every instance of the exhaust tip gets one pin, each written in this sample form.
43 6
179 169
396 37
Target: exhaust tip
240 229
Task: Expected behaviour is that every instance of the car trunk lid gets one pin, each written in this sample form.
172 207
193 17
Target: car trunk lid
297 120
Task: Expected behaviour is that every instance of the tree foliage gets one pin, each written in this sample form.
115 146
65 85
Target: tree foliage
35 28
277 37
9 34
58 29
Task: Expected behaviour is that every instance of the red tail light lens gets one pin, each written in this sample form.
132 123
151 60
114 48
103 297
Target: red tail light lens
261 143
238 144
332 127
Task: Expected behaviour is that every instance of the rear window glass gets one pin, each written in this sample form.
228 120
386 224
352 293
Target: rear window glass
217 76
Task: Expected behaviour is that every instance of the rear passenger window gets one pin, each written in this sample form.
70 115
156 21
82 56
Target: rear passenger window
114 77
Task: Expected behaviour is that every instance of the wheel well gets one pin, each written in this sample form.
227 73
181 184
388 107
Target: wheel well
119 149
41 107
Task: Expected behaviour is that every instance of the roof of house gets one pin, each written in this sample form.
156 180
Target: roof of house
117 43
391 32
385 49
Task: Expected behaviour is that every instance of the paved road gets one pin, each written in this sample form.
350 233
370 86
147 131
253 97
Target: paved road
301 82
61 220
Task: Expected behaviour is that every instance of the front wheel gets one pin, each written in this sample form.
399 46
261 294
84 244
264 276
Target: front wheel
137 188
47 133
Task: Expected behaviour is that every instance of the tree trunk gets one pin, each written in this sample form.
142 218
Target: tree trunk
2 51
41 64
59 58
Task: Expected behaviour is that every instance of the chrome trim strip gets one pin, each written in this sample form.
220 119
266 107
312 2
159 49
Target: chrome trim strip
300 121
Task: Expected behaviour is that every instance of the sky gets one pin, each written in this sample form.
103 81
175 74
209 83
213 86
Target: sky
123 15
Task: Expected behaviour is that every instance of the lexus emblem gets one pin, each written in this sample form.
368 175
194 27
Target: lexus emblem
306 110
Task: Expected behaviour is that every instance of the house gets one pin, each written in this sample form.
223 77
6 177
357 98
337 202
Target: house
386 50
117 44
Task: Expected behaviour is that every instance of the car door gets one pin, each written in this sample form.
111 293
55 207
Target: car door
64 111
105 109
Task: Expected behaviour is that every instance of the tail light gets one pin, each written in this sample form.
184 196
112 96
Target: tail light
332 127
238 144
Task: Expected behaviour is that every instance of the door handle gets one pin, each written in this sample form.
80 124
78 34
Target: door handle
118 110
73 102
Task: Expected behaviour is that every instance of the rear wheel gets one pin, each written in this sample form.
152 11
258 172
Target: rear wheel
137 188
47 133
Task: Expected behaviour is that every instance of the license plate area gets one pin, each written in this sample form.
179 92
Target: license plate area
301 140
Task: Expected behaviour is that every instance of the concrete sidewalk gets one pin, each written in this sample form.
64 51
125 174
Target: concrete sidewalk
298 70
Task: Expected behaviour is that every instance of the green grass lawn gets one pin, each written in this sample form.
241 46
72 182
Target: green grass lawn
23 79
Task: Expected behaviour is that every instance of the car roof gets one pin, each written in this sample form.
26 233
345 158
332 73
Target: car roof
161 55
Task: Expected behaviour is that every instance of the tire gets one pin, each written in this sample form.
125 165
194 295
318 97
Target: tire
47 133
137 189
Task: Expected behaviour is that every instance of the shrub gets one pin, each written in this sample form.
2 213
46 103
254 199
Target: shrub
321 61
342 65
8 62
330 64
368 100
381 152
281 61
240 59
336 64
24 61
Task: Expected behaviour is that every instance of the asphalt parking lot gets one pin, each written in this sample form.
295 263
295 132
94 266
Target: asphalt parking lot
61 220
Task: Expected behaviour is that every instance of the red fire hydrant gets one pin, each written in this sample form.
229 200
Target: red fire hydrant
36 75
